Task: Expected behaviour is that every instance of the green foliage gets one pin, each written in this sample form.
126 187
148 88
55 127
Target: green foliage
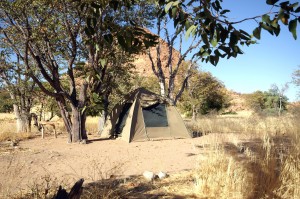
6 104
206 19
122 20
256 100
151 83
205 93
268 101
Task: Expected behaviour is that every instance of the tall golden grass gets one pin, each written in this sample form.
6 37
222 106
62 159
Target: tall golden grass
265 163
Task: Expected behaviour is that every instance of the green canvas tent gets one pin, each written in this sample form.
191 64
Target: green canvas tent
144 115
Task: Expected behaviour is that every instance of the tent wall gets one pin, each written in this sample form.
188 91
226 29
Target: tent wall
135 129
130 121
139 131
176 124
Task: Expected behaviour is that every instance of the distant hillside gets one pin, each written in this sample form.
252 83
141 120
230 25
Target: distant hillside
143 68
143 64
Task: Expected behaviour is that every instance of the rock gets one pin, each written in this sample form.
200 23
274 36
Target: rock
162 175
83 141
149 175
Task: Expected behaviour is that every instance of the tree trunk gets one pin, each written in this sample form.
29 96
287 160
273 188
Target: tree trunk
194 116
162 86
66 117
41 111
22 123
103 118
280 106
171 95
78 125
22 118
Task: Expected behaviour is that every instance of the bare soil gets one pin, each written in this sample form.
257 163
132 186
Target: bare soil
33 160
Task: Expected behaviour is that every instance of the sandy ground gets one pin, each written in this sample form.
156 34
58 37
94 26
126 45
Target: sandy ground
33 160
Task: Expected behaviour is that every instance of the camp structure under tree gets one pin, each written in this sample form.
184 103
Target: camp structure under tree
144 115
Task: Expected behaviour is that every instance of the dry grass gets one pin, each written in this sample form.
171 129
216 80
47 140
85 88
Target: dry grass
254 125
265 165
8 128
250 157
92 125
221 176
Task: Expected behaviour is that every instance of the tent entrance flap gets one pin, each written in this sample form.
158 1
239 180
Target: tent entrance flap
155 116
122 118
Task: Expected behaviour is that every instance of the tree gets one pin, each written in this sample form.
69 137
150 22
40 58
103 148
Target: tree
256 100
204 94
279 93
55 35
168 70
20 88
112 40
48 35
6 105
207 20
151 83
272 101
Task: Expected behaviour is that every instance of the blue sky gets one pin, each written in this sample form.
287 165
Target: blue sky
272 61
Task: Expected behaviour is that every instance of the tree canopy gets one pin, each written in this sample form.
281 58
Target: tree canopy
208 20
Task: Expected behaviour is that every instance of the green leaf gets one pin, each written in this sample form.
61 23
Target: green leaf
175 3
168 6
297 10
294 5
244 35
97 47
204 38
266 18
214 42
274 23
187 24
271 2
285 19
277 30
256 32
214 60
174 12
103 62
218 5
233 39
224 11
214 5
176 21
190 31
224 35
293 28
268 28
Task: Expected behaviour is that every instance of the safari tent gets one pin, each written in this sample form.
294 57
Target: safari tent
144 115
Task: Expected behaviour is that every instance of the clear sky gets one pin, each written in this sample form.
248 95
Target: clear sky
271 61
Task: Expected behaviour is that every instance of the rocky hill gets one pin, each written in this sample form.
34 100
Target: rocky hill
143 64
143 68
